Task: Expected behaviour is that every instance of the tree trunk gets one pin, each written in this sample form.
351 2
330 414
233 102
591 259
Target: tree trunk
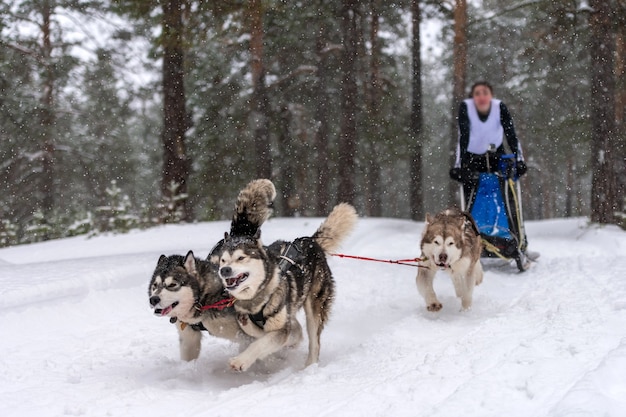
321 133
373 203
417 193
47 115
259 117
603 135
286 170
620 72
620 112
459 82
569 185
348 135
176 164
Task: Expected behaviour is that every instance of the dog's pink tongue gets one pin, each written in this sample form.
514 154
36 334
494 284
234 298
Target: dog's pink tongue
166 311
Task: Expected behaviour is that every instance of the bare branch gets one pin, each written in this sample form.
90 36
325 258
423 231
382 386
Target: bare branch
302 69
24 51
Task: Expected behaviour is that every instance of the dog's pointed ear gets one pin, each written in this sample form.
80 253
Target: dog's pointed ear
190 263
161 260
216 252
226 236
429 219
471 223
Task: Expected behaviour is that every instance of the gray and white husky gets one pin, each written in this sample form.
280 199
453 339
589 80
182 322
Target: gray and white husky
270 284
189 291
450 242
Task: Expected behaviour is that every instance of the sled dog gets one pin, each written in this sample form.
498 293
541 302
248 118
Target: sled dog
450 242
270 285
189 291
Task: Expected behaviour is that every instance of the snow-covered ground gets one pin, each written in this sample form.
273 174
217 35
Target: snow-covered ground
78 336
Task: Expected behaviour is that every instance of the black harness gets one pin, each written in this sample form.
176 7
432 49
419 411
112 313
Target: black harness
258 319
198 327
288 258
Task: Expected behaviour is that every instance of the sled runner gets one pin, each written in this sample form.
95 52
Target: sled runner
494 203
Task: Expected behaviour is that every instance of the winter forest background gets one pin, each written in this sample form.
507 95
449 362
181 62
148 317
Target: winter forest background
117 114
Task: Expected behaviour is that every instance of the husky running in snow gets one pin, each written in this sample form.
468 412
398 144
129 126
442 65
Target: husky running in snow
450 242
270 284
189 291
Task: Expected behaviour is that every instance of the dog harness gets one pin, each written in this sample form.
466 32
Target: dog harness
258 319
288 258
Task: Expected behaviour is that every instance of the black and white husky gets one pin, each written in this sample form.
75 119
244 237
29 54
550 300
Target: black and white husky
189 291
270 284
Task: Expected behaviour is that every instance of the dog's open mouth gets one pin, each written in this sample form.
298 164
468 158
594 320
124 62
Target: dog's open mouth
165 311
442 265
234 282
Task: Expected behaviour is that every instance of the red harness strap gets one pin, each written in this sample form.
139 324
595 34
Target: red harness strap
220 305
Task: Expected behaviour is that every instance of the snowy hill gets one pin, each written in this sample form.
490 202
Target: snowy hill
79 338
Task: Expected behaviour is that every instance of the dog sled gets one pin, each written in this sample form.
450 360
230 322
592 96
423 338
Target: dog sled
495 204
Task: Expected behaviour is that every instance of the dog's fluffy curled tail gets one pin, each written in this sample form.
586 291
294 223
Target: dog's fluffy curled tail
336 227
253 207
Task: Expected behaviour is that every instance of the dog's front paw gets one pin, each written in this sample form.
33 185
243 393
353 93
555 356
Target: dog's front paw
239 364
434 307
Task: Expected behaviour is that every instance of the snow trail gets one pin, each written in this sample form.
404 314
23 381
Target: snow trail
81 340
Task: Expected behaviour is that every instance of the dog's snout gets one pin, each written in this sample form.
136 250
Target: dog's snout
226 271
443 257
154 300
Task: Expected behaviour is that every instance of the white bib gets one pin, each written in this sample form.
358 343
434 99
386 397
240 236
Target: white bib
484 134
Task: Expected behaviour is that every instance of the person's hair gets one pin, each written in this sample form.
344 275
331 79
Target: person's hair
480 83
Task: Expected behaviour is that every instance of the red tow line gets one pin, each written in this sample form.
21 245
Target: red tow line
408 262
220 305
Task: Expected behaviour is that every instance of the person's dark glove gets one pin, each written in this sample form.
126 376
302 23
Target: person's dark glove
521 168
464 175
456 174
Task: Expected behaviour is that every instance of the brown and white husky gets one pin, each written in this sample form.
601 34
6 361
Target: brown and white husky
450 242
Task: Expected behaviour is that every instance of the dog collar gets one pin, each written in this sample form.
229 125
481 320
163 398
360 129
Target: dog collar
197 327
